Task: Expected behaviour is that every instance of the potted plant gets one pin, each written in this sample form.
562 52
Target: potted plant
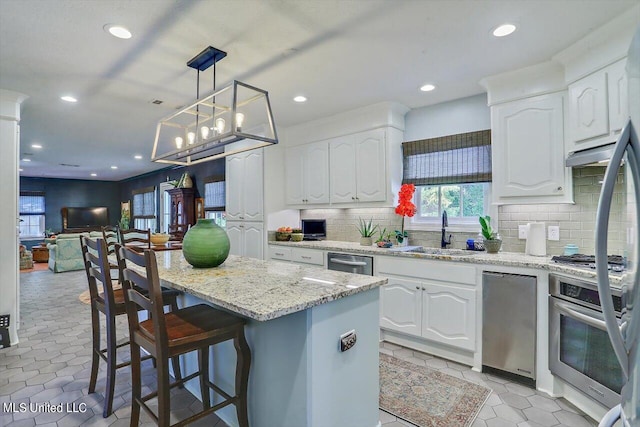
384 238
405 208
492 241
296 235
366 230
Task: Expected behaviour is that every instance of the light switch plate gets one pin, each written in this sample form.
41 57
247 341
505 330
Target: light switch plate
553 232
522 232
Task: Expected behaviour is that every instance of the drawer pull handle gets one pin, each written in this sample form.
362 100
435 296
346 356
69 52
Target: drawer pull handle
279 254
305 257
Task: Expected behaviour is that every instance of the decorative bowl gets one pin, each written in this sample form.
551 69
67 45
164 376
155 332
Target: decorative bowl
159 238
297 237
282 237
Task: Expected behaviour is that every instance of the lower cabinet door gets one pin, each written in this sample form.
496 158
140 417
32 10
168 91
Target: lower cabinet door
253 244
235 231
401 306
449 314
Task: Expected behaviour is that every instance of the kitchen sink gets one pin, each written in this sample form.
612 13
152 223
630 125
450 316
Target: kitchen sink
431 251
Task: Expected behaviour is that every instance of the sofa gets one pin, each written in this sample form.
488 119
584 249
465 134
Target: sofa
66 254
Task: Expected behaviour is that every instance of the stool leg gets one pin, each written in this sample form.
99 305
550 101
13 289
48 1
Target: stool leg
243 365
175 361
136 384
111 365
95 353
203 362
164 405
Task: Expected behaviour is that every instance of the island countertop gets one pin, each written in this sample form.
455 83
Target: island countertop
261 290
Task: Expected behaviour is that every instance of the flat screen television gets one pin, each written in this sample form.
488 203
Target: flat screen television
88 217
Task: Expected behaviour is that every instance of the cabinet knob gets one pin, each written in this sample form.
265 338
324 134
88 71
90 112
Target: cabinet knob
423 289
559 189
417 288
353 198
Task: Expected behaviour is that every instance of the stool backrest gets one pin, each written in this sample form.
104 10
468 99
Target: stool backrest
141 284
96 265
110 234
136 237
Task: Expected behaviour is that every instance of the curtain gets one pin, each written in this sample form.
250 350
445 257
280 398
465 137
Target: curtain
144 203
214 193
453 159
32 203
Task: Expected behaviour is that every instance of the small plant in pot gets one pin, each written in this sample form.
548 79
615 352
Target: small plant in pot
492 241
384 238
366 230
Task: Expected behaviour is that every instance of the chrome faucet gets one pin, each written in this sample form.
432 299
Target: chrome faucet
445 224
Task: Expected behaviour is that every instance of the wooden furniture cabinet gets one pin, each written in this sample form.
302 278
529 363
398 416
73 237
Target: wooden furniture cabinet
183 209
40 254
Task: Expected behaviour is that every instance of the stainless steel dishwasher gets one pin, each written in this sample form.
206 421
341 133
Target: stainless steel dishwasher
350 263
509 323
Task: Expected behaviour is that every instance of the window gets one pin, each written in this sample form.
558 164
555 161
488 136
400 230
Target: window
214 199
452 174
144 208
32 210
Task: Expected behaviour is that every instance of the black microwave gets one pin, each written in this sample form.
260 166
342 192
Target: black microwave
314 229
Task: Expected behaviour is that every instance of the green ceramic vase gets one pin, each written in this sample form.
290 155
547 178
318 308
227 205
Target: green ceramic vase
205 244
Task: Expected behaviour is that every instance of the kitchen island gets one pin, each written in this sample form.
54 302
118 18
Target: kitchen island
296 315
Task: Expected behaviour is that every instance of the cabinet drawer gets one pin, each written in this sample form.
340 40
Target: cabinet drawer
307 256
278 252
426 269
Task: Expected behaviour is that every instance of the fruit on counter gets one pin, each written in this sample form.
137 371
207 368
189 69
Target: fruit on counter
284 230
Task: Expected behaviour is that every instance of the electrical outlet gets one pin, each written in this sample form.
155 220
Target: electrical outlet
522 232
553 232
348 340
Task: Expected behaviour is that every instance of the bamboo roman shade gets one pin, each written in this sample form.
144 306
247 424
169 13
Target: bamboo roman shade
32 203
144 203
453 159
214 193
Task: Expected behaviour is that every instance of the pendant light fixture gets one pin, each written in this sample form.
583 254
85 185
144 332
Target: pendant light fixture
231 120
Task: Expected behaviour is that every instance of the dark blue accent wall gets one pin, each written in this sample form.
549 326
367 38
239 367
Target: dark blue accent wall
61 193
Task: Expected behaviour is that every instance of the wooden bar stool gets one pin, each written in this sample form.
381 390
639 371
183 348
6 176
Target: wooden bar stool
110 302
171 334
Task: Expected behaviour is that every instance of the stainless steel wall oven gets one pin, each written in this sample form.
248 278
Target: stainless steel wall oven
580 351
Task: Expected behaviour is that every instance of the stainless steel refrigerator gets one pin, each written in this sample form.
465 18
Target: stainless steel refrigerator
624 333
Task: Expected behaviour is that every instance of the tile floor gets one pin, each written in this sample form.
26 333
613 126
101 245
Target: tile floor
51 364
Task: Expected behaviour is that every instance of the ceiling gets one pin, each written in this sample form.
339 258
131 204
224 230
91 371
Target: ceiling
340 54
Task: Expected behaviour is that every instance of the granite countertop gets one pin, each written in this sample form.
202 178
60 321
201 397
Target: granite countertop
261 290
507 259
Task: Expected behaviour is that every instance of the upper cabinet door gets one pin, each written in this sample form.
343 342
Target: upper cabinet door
252 194
588 112
294 159
528 148
342 165
371 177
316 173
618 95
234 183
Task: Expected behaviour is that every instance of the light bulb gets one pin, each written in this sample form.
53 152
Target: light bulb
204 132
178 142
239 121
220 125
191 137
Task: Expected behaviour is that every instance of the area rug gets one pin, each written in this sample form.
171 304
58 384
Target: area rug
427 397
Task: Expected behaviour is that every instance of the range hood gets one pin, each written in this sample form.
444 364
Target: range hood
591 157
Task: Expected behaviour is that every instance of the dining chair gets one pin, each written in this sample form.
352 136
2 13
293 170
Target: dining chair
178 332
136 237
110 301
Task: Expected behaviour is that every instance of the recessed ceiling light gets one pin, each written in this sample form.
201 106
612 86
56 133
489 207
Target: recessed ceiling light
36 146
117 31
26 160
427 88
504 30
300 98
94 174
137 156
68 98
114 167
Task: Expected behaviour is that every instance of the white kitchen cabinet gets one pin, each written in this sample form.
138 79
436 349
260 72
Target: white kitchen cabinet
244 186
401 306
449 315
430 300
358 168
307 174
598 107
246 238
528 151
299 255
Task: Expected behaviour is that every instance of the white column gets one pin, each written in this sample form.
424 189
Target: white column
9 262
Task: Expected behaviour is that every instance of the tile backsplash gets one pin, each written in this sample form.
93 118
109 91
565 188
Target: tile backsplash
576 222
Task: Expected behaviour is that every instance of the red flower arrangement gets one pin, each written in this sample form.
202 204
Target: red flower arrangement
405 207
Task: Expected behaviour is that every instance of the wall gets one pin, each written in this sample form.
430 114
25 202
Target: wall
61 193
577 222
